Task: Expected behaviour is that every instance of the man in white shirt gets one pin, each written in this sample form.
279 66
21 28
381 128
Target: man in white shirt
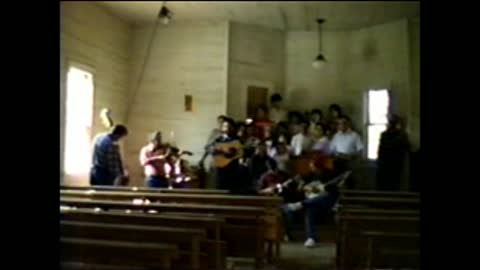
346 143
277 113
346 146
300 143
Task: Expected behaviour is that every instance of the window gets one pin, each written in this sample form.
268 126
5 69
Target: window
78 122
378 102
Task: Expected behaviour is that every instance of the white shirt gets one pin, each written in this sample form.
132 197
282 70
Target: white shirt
299 144
277 115
346 143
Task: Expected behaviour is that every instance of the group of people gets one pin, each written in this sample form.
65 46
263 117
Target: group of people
260 156
273 140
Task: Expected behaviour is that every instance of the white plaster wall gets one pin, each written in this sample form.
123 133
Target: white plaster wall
91 36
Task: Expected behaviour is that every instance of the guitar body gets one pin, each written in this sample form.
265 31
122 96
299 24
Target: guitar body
221 161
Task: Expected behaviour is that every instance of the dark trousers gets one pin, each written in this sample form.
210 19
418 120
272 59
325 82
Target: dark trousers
341 166
227 177
314 208
156 182
101 177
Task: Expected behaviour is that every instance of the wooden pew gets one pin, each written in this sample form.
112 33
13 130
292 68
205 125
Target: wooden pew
144 189
187 240
273 218
356 233
212 225
220 199
244 227
121 253
400 250
379 202
377 212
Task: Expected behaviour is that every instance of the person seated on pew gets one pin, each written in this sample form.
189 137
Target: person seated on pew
280 154
346 147
260 163
107 168
178 172
153 159
272 182
315 119
334 113
300 142
281 130
320 197
392 155
294 118
320 139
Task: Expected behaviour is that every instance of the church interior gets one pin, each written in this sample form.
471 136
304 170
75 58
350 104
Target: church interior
239 135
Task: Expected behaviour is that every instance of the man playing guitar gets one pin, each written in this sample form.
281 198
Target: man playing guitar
226 151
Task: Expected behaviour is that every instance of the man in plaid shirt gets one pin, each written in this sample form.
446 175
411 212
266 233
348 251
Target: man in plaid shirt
106 162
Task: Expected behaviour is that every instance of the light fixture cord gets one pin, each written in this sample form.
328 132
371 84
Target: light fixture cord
319 37
142 71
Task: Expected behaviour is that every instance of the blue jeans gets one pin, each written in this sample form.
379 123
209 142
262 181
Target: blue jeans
156 182
314 208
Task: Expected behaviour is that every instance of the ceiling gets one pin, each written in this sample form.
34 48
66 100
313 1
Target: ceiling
289 15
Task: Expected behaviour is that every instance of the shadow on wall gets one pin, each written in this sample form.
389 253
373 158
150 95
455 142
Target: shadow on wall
297 98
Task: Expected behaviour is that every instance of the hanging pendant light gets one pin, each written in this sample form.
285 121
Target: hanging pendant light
165 15
320 60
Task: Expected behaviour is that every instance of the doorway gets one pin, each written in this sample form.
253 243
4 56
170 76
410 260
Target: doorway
256 96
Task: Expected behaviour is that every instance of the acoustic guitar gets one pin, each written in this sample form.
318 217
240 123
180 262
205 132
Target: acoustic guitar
221 151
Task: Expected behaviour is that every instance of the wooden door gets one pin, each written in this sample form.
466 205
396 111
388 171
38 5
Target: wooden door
256 96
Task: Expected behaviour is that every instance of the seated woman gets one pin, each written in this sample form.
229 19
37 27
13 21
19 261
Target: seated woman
316 118
280 154
320 198
320 140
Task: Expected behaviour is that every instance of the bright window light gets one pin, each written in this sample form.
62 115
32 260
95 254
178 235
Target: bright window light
378 103
78 121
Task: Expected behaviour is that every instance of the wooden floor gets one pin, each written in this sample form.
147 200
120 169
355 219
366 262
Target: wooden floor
297 257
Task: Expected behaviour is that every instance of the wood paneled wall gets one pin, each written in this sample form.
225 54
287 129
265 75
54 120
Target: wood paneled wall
185 59
91 36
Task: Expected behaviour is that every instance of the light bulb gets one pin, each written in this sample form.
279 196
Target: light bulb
165 19
318 64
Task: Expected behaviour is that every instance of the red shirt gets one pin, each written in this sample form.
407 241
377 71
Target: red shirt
261 125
